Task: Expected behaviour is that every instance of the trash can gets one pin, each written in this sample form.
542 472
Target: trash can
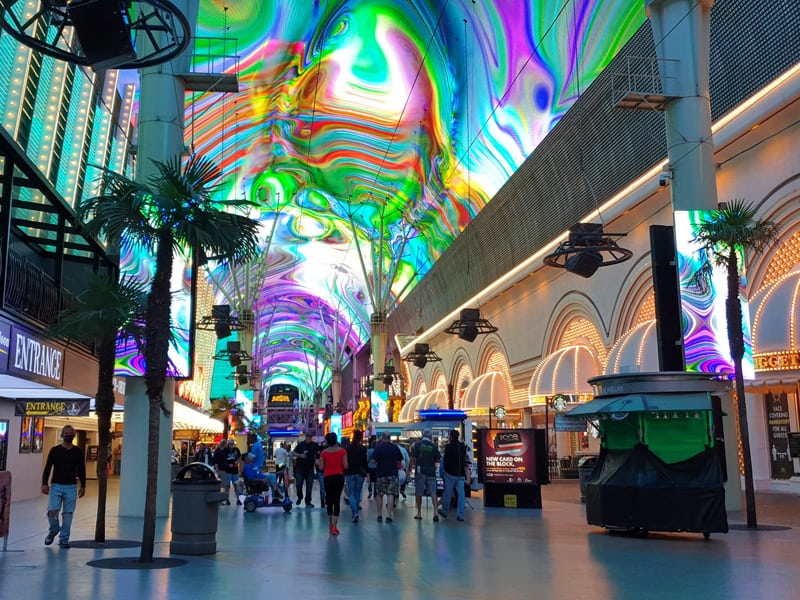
585 467
195 504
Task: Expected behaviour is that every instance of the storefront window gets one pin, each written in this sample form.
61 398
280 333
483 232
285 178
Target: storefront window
37 441
31 438
25 435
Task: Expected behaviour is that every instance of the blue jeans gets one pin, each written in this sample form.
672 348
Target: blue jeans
62 497
301 475
321 480
450 482
355 486
231 479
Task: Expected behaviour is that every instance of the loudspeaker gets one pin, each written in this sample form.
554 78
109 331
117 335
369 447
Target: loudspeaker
421 348
468 333
420 362
222 329
221 314
388 380
103 29
470 314
243 379
584 263
669 317
234 350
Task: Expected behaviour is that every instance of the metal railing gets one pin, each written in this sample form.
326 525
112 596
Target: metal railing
33 292
213 55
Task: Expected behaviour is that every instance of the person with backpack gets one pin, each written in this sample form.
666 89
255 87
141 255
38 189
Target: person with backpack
424 459
456 470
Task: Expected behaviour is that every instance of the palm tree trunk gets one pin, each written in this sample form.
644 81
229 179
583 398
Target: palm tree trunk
104 406
157 335
733 309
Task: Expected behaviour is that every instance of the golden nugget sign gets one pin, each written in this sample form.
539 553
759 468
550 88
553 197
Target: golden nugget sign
279 399
52 408
777 361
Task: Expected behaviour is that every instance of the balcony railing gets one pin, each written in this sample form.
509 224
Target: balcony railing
32 292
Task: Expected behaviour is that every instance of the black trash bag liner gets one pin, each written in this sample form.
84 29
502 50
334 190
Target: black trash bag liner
634 489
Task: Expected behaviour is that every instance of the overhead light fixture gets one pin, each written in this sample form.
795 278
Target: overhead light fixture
587 249
100 33
387 376
220 321
470 325
233 354
421 356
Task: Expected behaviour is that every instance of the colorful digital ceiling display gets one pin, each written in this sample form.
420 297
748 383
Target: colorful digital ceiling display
384 114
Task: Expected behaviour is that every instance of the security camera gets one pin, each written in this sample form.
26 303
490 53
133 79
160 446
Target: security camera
664 178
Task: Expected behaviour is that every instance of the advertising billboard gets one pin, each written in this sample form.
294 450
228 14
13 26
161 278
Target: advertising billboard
507 456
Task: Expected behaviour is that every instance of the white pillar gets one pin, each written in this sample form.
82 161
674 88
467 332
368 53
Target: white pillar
378 333
681 32
160 137
133 476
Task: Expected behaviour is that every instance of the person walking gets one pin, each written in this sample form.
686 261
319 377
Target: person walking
388 460
333 462
67 464
304 454
404 469
281 464
373 440
231 469
203 454
425 458
356 470
456 470
320 473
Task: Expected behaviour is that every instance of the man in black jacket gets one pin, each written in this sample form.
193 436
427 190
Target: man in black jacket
305 454
66 462
456 468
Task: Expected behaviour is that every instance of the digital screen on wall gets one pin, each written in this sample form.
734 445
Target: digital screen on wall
379 402
703 290
138 264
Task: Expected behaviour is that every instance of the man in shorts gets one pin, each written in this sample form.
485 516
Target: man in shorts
424 463
388 460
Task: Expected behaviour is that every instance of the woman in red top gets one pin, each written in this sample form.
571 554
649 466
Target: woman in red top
333 462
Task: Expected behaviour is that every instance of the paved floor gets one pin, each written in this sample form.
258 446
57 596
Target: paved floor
496 553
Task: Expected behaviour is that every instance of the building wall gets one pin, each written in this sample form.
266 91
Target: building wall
757 160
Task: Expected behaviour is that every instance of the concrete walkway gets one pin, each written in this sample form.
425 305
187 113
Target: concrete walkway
496 553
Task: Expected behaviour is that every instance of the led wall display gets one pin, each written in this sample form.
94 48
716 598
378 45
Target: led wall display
703 291
416 110
136 263
379 402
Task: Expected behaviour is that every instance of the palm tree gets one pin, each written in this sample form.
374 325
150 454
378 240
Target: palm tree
223 409
106 309
724 234
173 211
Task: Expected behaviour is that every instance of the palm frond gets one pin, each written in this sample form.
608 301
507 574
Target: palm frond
106 308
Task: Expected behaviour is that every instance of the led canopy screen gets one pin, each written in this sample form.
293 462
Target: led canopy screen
371 132
703 289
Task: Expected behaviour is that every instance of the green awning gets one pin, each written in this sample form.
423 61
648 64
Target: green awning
642 403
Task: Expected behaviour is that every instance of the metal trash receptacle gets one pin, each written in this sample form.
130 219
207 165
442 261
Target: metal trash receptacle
195 506
585 468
